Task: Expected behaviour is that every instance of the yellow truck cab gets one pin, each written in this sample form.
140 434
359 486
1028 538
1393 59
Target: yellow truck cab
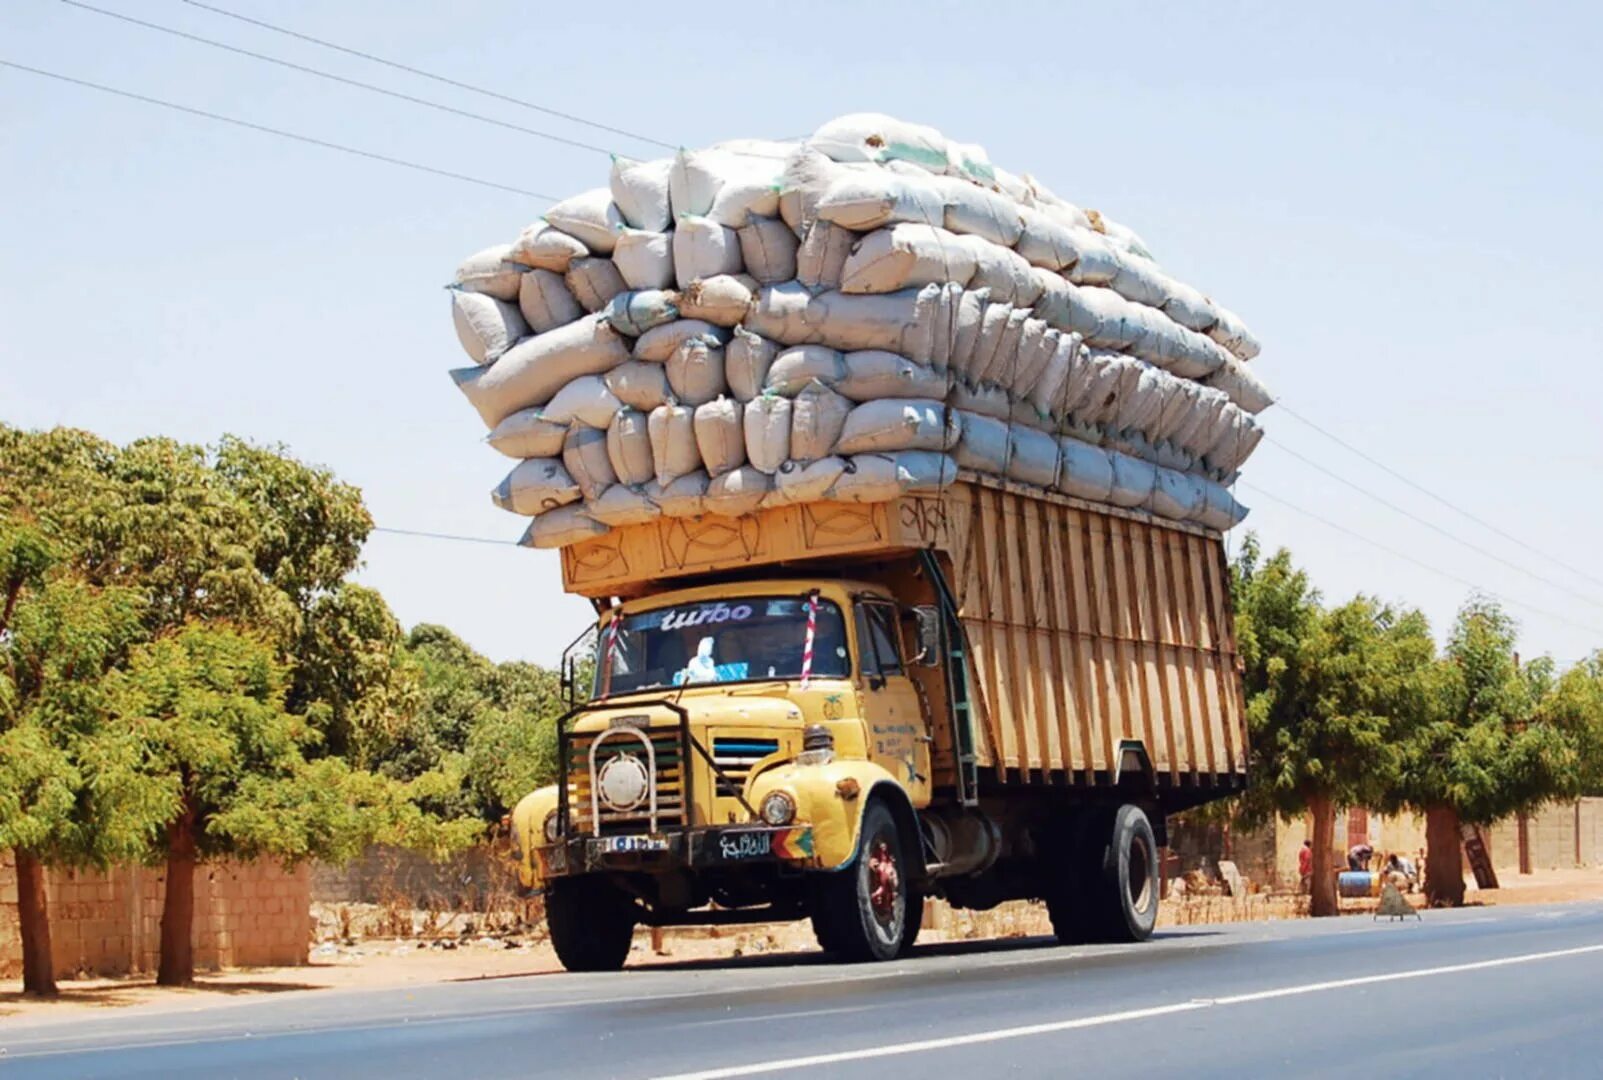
835 718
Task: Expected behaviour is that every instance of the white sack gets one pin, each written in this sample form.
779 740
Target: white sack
659 343
1240 437
1176 495
1237 379
622 505
535 368
906 255
673 442
993 326
1032 457
738 492
542 247
984 446
968 321
880 138
546 302
767 429
747 359
943 330
584 455
640 191
821 258
720 439
594 281
696 372
1141 281
1190 308
527 434
1220 510
629 447
794 368
730 188
639 385
1133 480
768 248
816 420
682 497
872 199
987 399
492 272
977 211
899 425
645 259
703 248
722 300
873 373
870 478
1140 396
1084 471
585 400
900 322
591 217
561 527
1228 330
798 483
535 486
1049 396
1005 272
485 326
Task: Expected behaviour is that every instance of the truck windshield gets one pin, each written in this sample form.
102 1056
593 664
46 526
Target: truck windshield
758 637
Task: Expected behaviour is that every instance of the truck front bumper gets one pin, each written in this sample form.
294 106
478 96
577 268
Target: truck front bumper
715 847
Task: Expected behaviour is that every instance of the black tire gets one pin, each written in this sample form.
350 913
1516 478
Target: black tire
592 923
913 923
848 921
1070 866
1124 888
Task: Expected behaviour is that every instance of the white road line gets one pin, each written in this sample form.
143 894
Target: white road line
1114 1018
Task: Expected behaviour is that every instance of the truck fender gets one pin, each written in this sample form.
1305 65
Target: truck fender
831 799
528 824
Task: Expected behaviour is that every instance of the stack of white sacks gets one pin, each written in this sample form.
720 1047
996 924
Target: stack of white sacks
851 318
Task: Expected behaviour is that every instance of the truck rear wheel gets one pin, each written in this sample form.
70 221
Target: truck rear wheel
1125 879
592 923
863 911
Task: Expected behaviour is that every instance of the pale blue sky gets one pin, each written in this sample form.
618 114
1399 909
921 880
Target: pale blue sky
1400 200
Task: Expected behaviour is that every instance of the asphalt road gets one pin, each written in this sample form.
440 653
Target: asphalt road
1470 993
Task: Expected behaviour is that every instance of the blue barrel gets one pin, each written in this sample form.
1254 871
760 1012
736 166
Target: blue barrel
1358 883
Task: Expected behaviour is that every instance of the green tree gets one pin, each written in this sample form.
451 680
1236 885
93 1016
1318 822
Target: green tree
1500 738
1326 693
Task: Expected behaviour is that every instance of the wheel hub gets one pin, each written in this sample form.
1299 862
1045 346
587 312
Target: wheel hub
883 880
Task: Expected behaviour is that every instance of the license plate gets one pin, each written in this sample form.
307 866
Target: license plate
617 845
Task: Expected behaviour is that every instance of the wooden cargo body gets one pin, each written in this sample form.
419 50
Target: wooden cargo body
1088 627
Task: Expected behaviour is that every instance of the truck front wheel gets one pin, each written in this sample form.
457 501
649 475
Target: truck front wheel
592 923
862 912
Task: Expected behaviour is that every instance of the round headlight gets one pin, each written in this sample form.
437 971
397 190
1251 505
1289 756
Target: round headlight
778 808
550 827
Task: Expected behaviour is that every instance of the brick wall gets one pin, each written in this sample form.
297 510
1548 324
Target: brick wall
466 881
1560 835
109 922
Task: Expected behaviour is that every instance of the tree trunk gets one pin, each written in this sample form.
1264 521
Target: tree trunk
177 966
1322 885
33 917
1444 862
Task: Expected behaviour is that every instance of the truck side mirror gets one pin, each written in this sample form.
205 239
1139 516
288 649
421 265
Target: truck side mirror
928 621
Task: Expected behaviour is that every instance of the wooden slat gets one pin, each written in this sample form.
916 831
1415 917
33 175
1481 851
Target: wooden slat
1011 588
1048 755
984 640
1224 656
1173 686
1084 563
1121 630
1067 699
1197 605
1155 666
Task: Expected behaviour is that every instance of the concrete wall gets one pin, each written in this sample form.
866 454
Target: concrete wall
109 922
1560 835
467 881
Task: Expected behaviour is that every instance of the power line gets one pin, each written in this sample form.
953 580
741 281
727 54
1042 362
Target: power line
426 74
1422 564
321 74
1339 441
1561 586
445 536
280 132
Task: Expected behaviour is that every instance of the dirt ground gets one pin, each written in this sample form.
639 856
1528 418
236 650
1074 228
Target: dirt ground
360 962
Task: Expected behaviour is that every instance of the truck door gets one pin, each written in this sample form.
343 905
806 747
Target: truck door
898 730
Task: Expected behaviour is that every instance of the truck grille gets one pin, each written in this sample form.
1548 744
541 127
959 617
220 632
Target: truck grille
735 757
670 781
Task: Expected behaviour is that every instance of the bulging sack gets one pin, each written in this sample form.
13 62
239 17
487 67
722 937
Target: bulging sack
485 326
562 527
527 434
594 280
584 455
738 492
1242 384
799 482
909 424
673 442
591 217
767 429
645 259
794 368
535 486
746 362
984 445
1084 471
634 313
623 504
821 259
901 322
534 369
659 343
696 372
1032 457
1176 495
865 200
870 478
1220 510
873 373
492 272
1133 480
704 249
540 246
727 187
586 400
816 420
640 191
879 138
546 302
720 438
683 497
722 300
629 448
639 385
906 255
768 248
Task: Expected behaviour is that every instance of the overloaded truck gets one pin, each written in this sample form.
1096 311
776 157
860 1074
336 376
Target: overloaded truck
834 710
